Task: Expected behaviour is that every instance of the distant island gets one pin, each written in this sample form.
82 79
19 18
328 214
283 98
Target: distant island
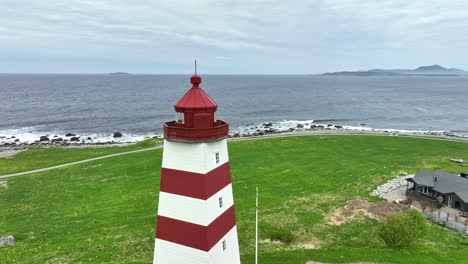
432 70
118 73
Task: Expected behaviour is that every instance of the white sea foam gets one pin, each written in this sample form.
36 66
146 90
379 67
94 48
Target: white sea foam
30 135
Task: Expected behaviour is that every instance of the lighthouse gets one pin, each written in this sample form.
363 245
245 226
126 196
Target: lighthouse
196 221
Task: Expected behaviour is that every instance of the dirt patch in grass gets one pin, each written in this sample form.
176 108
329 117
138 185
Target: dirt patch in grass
314 243
376 211
9 153
269 241
3 184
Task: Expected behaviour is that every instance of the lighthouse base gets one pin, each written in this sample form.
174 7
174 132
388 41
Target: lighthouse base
226 251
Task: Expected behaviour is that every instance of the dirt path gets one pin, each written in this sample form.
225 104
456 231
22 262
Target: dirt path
78 162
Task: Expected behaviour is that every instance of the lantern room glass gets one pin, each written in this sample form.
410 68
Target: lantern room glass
180 117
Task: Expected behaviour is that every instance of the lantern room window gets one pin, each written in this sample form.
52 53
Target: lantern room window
224 245
180 118
217 157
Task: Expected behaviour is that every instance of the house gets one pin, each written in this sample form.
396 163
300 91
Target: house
450 189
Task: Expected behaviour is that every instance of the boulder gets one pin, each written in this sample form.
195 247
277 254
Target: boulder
7 240
75 139
70 135
17 140
300 126
268 124
57 139
44 138
117 135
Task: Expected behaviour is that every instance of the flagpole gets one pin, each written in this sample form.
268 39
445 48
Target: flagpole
256 226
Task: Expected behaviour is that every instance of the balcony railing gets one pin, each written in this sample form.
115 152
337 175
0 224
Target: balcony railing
174 131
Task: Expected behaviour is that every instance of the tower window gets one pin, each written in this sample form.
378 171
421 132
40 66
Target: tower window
220 199
217 157
180 117
224 245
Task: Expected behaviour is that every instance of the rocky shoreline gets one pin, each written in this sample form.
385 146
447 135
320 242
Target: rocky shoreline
293 127
69 140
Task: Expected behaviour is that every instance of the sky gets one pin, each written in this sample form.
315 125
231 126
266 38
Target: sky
230 37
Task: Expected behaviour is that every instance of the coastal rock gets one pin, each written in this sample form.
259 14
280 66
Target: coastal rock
117 135
70 135
57 139
300 126
44 138
7 240
75 139
17 140
391 185
267 124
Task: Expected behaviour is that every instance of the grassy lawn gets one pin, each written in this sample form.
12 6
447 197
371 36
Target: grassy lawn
104 211
36 158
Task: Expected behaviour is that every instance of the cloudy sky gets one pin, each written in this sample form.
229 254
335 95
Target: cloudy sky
237 36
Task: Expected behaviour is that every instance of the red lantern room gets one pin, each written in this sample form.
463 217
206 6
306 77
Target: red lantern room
196 119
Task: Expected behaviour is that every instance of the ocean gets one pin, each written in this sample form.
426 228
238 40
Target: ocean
98 105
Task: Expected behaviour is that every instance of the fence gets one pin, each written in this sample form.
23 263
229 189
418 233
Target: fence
439 214
450 220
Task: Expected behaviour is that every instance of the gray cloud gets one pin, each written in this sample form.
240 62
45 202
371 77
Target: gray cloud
241 36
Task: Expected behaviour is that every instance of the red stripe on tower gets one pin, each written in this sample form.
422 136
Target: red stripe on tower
193 235
196 185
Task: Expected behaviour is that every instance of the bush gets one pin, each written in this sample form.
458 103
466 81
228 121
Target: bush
282 235
402 230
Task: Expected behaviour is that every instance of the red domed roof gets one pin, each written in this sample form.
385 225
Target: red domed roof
195 98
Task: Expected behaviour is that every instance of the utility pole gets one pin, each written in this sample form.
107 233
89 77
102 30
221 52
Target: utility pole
256 226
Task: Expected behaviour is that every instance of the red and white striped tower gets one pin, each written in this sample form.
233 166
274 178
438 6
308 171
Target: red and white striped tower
196 221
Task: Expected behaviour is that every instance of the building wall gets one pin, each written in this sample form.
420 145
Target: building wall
192 222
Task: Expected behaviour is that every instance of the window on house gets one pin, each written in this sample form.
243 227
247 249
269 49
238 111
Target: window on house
180 118
220 202
217 157
224 245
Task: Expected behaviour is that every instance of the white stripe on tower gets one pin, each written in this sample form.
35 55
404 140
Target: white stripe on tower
197 211
194 157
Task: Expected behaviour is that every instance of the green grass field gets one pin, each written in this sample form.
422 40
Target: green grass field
37 158
104 211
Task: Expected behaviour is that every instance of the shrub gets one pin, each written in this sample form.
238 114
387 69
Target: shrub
282 235
402 230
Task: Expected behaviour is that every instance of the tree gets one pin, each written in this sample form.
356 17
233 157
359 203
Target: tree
424 203
410 200
402 230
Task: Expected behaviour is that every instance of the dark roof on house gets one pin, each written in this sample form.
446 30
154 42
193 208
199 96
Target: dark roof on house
446 182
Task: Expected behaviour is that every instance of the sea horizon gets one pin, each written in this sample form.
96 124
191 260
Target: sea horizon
97 105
